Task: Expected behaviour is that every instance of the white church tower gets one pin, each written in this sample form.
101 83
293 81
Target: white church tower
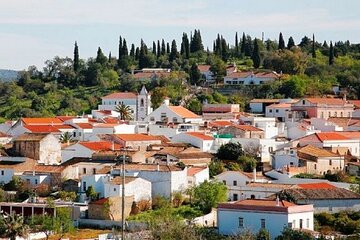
143 104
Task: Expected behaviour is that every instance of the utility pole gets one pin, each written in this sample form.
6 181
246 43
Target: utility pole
123 199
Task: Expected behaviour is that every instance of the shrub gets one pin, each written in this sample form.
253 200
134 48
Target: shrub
144 205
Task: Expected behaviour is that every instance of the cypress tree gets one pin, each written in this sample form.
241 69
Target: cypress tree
100 57
137 53
185 46
109 57
154 48
196 42
291 43
158 49
243 44
249 47
173 52
142 55
120 48
132 51
281 41
224 49
167 48
76 58
331 54
163 47
125 51
313 51
237 53
325 45
256 54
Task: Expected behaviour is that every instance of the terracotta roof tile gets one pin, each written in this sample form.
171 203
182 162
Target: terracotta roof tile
316 186
327 101
31 137
257 100
200 135
195 170
41 121
280 105
98 146
325 193
84 125
183 112
119 180
220 124
248 128
42 128
136 137
259 205
330 136
150 167
204 68
257 74
356 103
316 152
120 95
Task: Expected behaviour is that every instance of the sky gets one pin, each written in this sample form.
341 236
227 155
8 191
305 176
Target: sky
33 31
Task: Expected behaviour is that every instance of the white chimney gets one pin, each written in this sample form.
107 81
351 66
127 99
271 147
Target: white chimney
277 201
254 174
113 146
166 101
158 167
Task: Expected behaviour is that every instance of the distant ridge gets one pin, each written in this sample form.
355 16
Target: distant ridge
8 75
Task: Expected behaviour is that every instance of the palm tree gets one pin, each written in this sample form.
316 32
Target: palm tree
15 226
66 138
125 111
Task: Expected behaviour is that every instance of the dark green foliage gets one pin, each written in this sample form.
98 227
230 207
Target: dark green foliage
132 51
195 75
215 168
100 57
154 48
281 41
291 234
263 234
185 46
208 194
76 58
158 51
163 47
246 163
237 48
173 53
291 43
196 42
230 151
331 54
243 44
313 50
167 48
256 54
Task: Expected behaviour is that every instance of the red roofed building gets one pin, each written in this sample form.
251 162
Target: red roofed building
321 108
255 214
136 140
242 131
174 114
197 139
197 175
319 185
250 78
206 74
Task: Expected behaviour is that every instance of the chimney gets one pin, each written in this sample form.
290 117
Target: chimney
277 201
344 97
254 174
158 167
112 146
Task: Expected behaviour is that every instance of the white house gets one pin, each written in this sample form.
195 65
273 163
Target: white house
197 175
170 130
273 215
197 139
86 149
11 166
279 111
134 186
250 78
174 114
259 105
164 179
205 72
140 104
284 157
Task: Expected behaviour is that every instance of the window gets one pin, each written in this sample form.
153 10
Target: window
341 114
307 223
84 186
271 149
315 166
2 172
241 222
114 189
289 225
235 197
152 119
261 82
224 182
329 114
94 170
277 110
235 82
303 102
74 134
252 196
335 114
36 181
263 225
330 162
293 223
84 170
301 224
241 82
79 134
141 102
175 119
270 110
235 183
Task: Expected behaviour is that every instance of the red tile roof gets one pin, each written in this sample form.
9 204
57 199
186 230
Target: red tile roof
41 121
183 112
258 75
2 134
204 68
261 205
330 136
99 146
316 186
350 135
248 128
220 124
42 128
194 170
136 137
280 105
316 152
327 101
200 135
100 201
65 118
258 100
120 95
85 125
63 127
356 103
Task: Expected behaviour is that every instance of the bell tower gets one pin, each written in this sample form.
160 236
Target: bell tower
143 104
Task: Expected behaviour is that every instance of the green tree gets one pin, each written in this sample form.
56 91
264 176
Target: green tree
215 168
185 46
100 57
256 54
173 52
331 54
291 234
76 57
294 87
247 163
230 151
243 44
237 49
91 193
194 105
195 75
66 137
313 50
281 42
218 68
291 43
208 194
14 226
263 234
196 42
124 111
